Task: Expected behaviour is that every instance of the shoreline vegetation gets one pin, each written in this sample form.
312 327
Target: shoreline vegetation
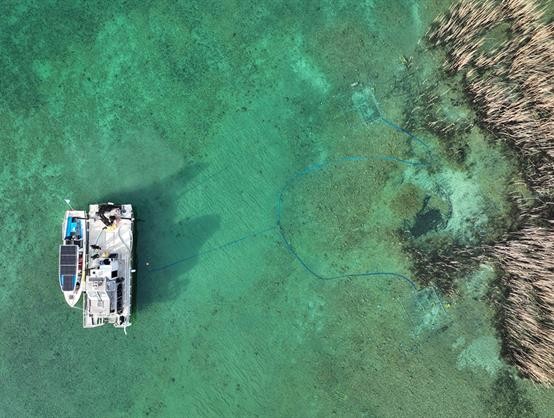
504 52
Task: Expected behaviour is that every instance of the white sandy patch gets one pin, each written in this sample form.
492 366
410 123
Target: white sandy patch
482 353
308 71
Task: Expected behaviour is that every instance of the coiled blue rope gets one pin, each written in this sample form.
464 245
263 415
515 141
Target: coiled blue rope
283 233
284 236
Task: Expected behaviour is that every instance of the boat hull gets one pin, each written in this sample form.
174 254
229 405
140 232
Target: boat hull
73 297
73 256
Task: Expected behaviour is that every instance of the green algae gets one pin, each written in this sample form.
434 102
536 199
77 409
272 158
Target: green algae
199 114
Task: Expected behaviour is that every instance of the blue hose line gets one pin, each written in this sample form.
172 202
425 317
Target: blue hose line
279 210
404 131
288 245
211 250
281 230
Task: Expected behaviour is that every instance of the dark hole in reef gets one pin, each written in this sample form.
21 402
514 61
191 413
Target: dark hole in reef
427 219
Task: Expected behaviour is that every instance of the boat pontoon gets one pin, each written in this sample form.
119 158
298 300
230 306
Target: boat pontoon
72 255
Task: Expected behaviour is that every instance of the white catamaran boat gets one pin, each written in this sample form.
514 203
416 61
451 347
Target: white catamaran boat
72 255
109 266
96 257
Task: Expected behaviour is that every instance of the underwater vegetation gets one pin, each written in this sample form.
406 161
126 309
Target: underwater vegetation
504 52
507 400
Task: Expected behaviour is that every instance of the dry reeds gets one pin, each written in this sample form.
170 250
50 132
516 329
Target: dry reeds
528 308
511 87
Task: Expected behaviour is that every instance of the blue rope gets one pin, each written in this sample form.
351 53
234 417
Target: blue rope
404 131
320 166
282 232
211 250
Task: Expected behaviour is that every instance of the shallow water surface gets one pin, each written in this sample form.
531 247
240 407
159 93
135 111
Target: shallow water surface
264 148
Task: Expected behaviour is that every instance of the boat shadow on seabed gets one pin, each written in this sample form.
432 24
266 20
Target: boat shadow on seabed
160 236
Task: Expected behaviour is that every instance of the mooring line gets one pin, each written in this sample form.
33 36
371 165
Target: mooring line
211 250
282 232
284 236
404 131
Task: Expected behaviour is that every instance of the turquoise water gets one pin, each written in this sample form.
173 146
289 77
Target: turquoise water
264 148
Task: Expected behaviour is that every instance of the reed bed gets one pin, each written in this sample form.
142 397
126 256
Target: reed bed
511 87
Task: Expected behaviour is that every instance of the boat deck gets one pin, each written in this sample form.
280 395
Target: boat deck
109 262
